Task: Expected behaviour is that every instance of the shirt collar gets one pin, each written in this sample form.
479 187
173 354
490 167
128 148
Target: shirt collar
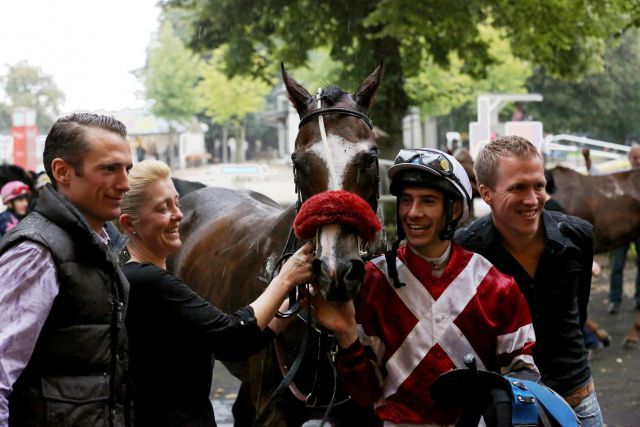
552 231
553 224
103 236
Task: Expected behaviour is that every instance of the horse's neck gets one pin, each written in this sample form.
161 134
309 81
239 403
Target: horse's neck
282 227
285 219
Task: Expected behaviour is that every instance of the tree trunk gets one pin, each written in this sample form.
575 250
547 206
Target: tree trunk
392 102
241 153
225 136
171 147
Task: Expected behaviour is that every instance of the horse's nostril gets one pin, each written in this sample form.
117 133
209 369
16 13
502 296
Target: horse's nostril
316 266
354 271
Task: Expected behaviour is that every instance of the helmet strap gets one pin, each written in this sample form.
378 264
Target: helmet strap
450 224
392 254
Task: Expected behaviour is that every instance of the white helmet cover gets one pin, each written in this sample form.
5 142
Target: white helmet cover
441 165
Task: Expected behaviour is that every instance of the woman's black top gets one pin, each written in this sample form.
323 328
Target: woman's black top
174 336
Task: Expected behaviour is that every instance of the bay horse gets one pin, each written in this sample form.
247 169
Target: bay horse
184 187
611 203
232 239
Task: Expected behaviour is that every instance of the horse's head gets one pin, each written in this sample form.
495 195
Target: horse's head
336 154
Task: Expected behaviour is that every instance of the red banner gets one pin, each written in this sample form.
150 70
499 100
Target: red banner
24 146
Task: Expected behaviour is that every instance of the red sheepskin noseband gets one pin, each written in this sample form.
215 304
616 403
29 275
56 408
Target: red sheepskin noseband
336 207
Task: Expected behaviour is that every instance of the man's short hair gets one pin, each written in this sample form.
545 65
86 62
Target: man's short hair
486 163
66 139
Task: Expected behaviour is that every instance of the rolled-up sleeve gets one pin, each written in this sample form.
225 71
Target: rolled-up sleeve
29 286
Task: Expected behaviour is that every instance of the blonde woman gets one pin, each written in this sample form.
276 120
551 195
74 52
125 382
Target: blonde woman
173 333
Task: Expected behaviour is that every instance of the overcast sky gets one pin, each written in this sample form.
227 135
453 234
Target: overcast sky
89 47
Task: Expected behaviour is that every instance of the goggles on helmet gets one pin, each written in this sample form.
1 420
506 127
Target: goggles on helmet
432 160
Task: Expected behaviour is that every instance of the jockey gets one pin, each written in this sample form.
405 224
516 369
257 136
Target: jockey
428 303
15 195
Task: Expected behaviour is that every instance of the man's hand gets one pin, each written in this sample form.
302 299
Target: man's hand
339 317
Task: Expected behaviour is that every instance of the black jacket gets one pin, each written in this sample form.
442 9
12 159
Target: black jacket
174 336
76 374
557 296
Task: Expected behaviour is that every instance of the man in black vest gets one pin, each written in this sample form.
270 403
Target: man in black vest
63 349
550 256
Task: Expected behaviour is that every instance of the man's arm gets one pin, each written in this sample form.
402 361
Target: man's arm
517 337
357 367
581 233
584 286
29 287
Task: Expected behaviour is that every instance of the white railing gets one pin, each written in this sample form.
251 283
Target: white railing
590 141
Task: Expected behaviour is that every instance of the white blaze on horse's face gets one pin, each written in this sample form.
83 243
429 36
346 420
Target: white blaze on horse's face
340 267
342 153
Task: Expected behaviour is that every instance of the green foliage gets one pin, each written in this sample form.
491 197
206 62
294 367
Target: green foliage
5 118
27 86
567 36
170 77
437 90
228 99
602 105
320 71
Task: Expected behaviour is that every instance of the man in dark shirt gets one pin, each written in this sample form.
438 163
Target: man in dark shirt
549 254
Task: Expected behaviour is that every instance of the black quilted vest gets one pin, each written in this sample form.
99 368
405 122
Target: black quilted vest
76 375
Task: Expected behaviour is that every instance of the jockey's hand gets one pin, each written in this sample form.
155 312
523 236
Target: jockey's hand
297 269
339 317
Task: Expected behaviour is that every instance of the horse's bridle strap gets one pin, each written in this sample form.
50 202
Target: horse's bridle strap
335 110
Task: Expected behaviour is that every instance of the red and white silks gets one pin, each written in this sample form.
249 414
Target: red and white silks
425 328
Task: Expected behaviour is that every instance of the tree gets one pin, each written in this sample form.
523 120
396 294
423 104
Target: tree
437 90
228 101
5 118
565 35
170 78
27 86
602 105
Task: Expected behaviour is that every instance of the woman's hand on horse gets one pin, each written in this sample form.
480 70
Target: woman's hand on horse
297 269
339 317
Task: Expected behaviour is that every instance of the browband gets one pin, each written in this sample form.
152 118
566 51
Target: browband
335 110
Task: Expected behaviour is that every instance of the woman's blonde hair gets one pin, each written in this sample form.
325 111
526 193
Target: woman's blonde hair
141 176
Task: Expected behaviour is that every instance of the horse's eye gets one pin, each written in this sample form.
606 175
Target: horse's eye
369 159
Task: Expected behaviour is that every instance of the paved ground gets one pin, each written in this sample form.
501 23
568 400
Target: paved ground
616 370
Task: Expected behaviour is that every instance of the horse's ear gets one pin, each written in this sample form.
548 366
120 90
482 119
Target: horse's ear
366 93
297 94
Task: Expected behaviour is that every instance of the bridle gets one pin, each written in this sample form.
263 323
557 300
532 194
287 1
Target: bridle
320 113
296 295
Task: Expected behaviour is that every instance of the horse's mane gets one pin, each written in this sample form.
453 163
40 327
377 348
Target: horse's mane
332 94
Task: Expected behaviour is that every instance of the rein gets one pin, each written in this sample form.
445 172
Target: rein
326 344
